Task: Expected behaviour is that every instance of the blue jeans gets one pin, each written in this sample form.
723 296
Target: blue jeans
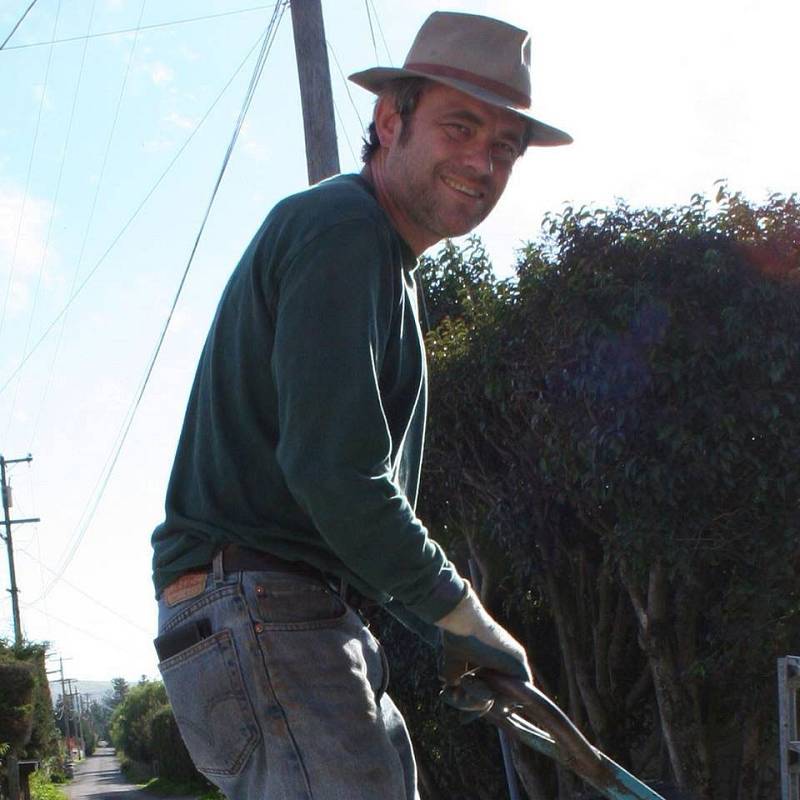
285 699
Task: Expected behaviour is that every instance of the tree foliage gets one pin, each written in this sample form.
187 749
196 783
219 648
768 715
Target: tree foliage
27 729
26 711
614 440
144 729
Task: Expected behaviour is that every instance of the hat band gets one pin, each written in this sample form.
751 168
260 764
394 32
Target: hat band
517 98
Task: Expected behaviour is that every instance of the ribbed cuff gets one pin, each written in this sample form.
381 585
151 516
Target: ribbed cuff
446 595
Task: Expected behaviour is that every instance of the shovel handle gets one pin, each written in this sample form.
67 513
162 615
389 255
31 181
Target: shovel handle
528 713
534 705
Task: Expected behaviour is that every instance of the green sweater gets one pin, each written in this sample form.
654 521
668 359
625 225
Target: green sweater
304 429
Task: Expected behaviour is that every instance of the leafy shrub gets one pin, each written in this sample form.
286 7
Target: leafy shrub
613 440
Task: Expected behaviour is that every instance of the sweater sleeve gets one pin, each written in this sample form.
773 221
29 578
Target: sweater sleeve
334 314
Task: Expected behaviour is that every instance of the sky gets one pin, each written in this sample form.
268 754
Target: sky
110 146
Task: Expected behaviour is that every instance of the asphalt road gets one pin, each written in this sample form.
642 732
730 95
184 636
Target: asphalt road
99 778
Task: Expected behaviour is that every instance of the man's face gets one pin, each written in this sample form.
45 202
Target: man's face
446 174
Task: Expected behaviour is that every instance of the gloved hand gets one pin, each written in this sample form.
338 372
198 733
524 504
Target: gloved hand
473 639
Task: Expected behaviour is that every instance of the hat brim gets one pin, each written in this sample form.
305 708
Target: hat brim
541 134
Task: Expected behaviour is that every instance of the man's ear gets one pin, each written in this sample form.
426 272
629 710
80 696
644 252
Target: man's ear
387 120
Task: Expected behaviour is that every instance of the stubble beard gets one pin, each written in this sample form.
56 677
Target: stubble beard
426 203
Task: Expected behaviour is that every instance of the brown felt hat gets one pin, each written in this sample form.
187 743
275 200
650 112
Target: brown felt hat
480 56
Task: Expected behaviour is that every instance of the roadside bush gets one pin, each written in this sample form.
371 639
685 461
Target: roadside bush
143 728
173 758
131 723
27 729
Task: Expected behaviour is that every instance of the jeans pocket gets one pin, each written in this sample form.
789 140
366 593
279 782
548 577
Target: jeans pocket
206 692
296 602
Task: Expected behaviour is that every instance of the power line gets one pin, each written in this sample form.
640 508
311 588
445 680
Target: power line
372 32
380 30
97 187
19 22
269 38
91 635
142 28
130 220
85 594
344 131
352 103
27 178
107 151
346 83
67 138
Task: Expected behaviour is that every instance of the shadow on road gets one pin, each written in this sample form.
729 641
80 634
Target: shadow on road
99 778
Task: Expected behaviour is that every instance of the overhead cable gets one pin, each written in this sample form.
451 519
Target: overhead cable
28 178
85 594
67 138
74 295
90 634
344 131
380 30
95 197
269 38
372 33
19 22
346 83
142 28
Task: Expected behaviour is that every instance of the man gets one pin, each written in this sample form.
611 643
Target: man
293 489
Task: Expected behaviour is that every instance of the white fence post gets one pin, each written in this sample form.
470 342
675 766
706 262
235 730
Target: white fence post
788 684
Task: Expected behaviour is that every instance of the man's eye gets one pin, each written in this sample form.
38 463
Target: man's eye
505 151
457 131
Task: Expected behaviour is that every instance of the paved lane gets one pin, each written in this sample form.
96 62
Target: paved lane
99 778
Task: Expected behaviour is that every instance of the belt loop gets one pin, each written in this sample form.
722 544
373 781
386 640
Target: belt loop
218 567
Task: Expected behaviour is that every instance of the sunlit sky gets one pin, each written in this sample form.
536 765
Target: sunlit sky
662 100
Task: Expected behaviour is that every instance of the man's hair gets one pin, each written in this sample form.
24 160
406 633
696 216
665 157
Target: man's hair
406 94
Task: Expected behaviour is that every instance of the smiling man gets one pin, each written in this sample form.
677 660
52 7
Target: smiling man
292 495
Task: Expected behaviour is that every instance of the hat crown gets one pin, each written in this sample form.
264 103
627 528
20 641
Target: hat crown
482 57
476 47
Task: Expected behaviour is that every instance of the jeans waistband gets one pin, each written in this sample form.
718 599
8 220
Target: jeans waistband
238 558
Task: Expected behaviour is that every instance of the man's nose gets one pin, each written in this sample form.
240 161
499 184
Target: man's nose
478 156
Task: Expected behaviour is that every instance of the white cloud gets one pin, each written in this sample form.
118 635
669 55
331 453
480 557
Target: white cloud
158 145
159 72
252 144
180 121
22 244
188 53
182 320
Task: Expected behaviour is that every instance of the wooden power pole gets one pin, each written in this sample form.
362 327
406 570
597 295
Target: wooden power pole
7 503
319 125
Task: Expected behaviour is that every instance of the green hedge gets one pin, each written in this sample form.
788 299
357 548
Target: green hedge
613 439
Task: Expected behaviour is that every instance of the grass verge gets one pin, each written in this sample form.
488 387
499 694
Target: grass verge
163 787
42 789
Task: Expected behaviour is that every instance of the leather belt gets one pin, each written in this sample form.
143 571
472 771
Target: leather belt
238 558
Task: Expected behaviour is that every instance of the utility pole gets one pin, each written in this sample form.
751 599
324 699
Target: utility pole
7 503
75 706
319 125
65 708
